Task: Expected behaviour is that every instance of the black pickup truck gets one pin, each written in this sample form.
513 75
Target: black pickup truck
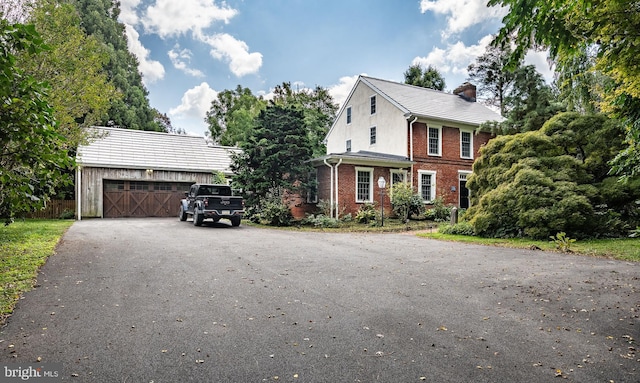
205 201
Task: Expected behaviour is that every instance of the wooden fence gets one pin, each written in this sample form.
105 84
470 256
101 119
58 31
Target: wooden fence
55 209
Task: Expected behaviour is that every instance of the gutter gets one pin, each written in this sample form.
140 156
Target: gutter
331 188
334 191
337 190
415 118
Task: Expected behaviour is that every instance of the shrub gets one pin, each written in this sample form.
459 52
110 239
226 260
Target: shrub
367 213
405 202
67 214
461 228
320 220
273 212
439 212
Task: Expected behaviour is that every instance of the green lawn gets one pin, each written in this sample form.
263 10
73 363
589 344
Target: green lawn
24 248
627 249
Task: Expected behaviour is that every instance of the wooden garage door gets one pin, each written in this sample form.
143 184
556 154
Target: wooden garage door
142 199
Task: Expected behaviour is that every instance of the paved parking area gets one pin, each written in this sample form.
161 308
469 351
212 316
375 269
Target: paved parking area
158 300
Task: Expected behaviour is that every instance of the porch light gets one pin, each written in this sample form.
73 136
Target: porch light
381 184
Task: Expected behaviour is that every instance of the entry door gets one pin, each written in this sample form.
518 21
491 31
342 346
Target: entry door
464 192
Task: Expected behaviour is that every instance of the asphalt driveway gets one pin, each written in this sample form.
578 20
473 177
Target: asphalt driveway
158 300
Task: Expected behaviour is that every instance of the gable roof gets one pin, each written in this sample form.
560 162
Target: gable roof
415 101
137 149
429 103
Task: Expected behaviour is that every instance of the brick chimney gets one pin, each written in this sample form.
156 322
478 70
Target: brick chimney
466 91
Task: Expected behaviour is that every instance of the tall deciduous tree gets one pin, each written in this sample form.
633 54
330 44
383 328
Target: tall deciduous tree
231 116
493 77
568 28
274 158
132 110
79 93
318 108
33 155
428 77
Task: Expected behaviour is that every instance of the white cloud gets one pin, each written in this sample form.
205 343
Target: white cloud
454 58
151 70
195 102
461 14
128 14
227 48
340 91
181 60
170 17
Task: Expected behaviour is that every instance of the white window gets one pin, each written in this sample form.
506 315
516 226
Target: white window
364 184
373 104
434 141
372 135
348 115
466 144
427 185
348 148
398 176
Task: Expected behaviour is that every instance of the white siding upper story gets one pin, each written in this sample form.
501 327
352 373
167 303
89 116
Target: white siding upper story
386 119
396 104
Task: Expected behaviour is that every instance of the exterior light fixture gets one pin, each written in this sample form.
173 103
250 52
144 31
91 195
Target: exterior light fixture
382 183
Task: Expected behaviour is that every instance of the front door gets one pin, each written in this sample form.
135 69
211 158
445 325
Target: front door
464 192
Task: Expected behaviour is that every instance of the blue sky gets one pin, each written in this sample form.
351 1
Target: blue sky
189 50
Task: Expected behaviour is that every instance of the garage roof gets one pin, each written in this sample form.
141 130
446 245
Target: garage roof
137 149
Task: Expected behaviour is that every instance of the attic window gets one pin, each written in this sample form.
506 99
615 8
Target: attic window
348 115
373 104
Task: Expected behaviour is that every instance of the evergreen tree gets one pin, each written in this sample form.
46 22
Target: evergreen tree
274 158
318 108
555 179
132 110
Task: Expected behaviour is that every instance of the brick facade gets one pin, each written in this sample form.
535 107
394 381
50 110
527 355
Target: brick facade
449 164
403 116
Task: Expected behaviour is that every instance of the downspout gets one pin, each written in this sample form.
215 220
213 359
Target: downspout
411 147
337 190
331 188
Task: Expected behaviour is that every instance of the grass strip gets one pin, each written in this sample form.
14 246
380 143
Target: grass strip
624 249
24 248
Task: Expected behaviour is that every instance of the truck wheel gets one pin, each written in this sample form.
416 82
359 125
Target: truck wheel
235 221
197 218
182 215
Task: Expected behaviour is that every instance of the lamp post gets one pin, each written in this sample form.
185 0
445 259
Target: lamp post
381 184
